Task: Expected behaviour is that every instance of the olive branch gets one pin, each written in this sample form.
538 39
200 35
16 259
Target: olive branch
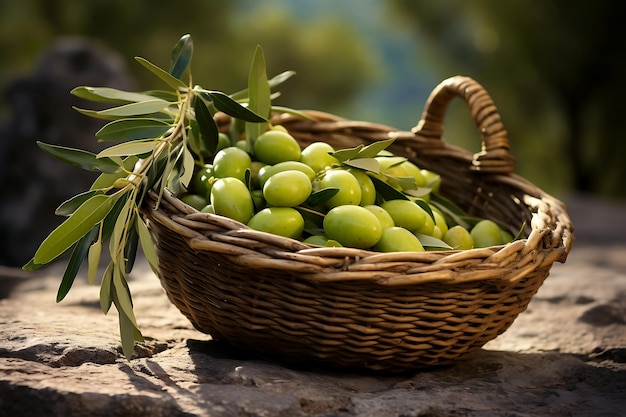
160 136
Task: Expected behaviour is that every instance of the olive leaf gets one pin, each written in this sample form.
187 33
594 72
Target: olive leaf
424 205
170 80
130 249
187 167
106 180
90 213
272 82
320 197
226 104
124 130
259 95
146 244
135 147
79 253
106 295
373 149
367 164
206 124
419 192
347 154
181 56
153 105
293 112
107 94
430 242
386 192
82 159
111 218
69 206
93 258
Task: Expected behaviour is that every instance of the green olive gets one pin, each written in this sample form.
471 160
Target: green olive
352 226
230 197
281 221
398 239
287 188
276 145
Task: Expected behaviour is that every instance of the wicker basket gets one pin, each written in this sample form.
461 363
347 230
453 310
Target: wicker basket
363 309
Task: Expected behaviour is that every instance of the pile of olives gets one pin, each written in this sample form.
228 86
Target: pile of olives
312 195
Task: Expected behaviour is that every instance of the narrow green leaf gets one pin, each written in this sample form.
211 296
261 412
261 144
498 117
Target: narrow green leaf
259 91
208 128
418 192
430 242
122 296
167 175
181 56
442 201
106 94
194 138
32 266
347 154
147 245
320 197
69 206
155 174
392 161
171 81
127 335
90 213
118 236
153 105
188 167
281 78
273 82
82 159
451 212
367 164
93 259
386 191
287 110
104 181
166 95
130 250
109 221
229 106
424 205
95 114
520 232
131 129
135 147
406 183
373 149
79 253
106 295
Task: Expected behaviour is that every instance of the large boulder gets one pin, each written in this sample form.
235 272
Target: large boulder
32 183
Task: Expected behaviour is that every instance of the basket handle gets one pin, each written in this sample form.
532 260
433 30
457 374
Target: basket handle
494 156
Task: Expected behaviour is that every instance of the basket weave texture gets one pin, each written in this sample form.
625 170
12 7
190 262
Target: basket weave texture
362 309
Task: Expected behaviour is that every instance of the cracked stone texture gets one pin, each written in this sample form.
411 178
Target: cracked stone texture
564 356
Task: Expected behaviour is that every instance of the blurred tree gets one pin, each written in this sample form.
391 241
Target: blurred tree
330 59
554 69
331 63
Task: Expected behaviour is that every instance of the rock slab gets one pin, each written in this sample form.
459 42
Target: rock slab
564 356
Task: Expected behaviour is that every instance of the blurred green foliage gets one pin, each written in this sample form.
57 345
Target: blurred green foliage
551 67
554 69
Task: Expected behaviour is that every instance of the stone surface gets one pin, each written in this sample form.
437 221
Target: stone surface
564 356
